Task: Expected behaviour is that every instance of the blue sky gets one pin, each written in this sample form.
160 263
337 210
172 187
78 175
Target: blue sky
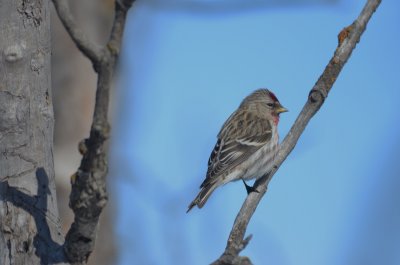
184 70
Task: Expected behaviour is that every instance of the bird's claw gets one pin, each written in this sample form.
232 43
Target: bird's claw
249 189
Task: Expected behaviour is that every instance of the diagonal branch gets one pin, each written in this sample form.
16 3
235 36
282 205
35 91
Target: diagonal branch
89 195
348 38
85 45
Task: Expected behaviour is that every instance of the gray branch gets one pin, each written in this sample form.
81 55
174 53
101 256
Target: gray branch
87 47
89 195
348 38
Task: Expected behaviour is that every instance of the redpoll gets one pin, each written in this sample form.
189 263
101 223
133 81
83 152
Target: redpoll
247 144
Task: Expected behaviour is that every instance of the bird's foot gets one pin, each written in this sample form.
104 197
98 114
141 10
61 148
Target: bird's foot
249 189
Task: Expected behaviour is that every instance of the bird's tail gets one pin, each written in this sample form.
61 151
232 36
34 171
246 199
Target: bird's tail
203 196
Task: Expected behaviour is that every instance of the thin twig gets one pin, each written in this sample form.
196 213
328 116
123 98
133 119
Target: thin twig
89 195
348 38
85 45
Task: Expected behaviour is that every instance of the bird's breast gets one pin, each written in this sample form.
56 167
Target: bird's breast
262 160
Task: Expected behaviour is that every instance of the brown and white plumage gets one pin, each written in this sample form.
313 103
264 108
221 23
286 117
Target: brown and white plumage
246 145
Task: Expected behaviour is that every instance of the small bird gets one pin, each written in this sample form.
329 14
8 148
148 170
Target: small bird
247 144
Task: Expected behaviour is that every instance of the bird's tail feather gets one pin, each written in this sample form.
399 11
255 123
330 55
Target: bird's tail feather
203 196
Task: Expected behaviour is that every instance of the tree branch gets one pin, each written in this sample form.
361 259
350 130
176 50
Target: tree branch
87 47
348 38
89 195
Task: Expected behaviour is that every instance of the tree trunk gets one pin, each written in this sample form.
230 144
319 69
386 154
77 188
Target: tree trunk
29 220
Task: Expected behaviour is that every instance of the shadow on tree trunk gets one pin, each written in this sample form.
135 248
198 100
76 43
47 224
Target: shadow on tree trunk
47 250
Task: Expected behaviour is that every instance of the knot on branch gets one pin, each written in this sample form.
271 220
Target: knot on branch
92 146
82 147
317 95
100 132
344 34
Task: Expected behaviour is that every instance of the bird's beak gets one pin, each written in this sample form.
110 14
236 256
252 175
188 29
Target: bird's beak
280 109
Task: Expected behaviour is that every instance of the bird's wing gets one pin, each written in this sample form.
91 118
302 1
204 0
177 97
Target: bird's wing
240 137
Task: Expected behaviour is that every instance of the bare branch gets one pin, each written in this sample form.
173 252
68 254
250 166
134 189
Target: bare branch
348 38
117 30
89 195
87 47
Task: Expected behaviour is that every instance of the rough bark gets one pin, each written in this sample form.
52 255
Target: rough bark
30 230
347 41
89 196
30 227
74 87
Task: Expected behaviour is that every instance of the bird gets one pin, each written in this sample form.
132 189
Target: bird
247 144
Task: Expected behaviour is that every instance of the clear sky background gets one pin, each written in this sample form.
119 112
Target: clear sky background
186 65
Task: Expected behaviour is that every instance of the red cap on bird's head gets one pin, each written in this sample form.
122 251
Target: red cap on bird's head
272 95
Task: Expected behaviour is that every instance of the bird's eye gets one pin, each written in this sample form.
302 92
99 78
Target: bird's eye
270 104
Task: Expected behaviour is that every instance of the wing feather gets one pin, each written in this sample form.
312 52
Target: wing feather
240 137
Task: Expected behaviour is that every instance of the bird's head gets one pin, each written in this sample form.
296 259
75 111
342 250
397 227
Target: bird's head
264 103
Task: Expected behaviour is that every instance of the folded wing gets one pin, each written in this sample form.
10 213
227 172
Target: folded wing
240 137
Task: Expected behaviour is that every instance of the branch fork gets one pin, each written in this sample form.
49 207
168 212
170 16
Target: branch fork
89 195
